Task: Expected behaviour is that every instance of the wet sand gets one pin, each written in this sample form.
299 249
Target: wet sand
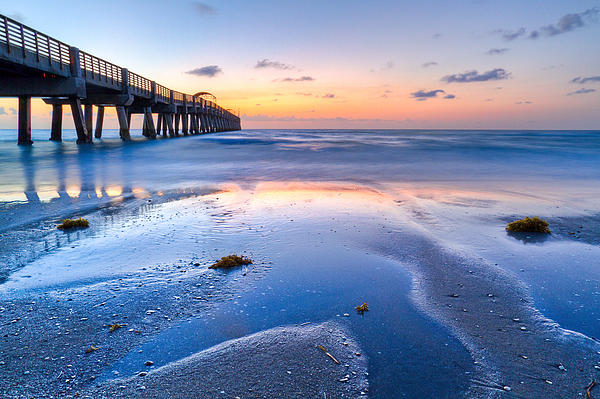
281 362
517 352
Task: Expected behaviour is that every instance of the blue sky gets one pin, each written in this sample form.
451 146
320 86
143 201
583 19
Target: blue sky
370 64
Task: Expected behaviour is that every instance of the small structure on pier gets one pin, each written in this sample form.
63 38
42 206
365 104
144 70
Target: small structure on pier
35 65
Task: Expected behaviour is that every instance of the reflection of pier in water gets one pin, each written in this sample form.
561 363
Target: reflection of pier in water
89 185
35 220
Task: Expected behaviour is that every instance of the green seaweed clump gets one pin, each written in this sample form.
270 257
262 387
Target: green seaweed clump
73 224
230 261
529 225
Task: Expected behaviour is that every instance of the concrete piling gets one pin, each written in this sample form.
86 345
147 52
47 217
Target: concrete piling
57 115
99 121
25 121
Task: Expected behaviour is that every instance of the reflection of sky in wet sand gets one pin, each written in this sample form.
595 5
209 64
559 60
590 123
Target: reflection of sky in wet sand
309 231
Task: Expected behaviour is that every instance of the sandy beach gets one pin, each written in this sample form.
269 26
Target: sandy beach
457 307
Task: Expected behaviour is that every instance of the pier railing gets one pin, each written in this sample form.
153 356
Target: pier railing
99 71
140 85
33 44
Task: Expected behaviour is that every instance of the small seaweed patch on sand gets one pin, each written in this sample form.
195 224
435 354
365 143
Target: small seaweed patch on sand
68 224
528 225
362 308
227 262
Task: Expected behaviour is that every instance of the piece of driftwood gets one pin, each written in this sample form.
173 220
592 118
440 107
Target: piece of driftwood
328 354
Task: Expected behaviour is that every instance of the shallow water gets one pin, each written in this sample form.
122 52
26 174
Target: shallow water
317 275
306 200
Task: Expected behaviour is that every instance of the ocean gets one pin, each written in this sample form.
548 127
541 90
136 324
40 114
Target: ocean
335 218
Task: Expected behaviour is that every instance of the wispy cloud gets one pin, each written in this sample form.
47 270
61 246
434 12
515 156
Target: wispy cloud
437 35
300 79
496 51
386 94
474 76
3 111
304 94
589 79
511 35
423 95
267 63
329 95
209 71
524 102
429 64
582 91
566 23
204 8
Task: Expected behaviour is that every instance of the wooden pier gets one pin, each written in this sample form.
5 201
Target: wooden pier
33 64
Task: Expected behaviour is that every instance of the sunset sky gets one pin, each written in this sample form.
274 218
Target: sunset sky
347 63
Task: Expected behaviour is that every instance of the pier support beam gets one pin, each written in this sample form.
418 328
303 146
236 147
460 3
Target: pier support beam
122 116
25 121
89 114
57 115
169 124
184 124
191 123
208 126
99 122
78 120
149 121
144 126
194 123
177 117
203 121
159 124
